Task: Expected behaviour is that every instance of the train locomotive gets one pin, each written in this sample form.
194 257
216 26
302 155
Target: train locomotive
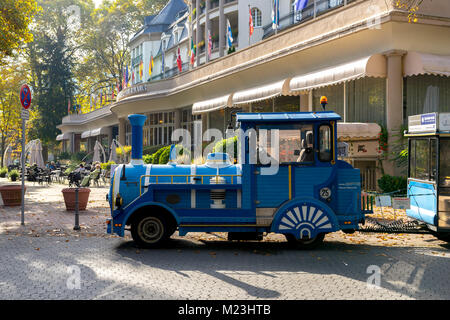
309 193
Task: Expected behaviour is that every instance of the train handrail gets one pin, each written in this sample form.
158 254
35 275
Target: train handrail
187 176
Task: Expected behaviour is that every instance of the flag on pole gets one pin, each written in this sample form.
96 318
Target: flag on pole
141 70
192 52
299 5
123 78
209 44
68 107
126 77
275 14
101 97
250 22
179 62
229 35
150 67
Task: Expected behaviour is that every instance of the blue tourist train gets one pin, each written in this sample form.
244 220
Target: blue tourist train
300 190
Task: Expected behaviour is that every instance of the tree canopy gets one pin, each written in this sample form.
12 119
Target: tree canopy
15 19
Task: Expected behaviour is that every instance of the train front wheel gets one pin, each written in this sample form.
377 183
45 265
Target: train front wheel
150 231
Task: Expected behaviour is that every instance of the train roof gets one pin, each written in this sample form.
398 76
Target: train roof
287 116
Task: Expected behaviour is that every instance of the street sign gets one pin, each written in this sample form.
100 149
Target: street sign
383 201
25 114
25 96
401 203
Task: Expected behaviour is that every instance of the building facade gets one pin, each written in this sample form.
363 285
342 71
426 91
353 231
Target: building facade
374 65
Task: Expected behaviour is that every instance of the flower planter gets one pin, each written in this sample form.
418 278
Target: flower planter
69 198
12 195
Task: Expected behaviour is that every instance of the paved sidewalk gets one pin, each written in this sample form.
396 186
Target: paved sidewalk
45 212
49 268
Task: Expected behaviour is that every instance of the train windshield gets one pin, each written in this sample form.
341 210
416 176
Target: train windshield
286 143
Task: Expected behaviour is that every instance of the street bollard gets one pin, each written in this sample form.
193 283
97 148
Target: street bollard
77 217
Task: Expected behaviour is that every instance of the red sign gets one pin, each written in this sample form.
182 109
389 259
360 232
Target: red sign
25 96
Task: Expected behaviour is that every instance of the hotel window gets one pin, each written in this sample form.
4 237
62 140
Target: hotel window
256 17
424 94
158 128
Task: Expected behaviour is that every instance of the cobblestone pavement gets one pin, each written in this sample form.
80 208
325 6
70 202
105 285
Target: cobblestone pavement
42 259
47 268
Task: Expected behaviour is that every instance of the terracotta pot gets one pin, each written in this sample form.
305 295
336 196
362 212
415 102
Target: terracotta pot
12 195
69 198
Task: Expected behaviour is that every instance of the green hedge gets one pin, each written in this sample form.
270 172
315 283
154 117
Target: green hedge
388 183
225 144
151 149
163 154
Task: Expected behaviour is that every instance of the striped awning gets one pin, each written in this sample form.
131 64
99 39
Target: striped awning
63 136
212 104
86 134
94 132
259 93
373 66
417 63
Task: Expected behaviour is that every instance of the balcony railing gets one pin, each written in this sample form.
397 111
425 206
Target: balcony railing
312 10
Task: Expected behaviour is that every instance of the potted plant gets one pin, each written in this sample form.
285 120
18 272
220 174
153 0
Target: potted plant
70 197
12 195
13 175
3 172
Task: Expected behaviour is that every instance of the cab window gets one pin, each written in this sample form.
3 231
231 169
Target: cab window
325 143
295 143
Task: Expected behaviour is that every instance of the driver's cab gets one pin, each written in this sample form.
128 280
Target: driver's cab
288 155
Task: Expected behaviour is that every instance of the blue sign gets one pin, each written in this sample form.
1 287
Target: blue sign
428 118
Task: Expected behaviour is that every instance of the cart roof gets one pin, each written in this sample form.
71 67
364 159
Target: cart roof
287 116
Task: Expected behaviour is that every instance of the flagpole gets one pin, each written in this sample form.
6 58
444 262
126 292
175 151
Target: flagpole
249 12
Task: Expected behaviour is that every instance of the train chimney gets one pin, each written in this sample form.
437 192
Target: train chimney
137 124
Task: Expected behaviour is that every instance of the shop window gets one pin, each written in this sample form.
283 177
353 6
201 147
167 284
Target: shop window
366 100
426 93
287 104
335 95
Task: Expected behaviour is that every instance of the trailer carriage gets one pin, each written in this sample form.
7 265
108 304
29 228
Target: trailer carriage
288 180
429 171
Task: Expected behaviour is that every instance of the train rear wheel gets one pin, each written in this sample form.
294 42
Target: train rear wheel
305 244
149 231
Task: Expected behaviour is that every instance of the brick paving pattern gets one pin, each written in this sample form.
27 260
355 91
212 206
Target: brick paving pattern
38 261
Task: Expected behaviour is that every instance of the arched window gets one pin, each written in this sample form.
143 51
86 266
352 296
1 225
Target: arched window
256 17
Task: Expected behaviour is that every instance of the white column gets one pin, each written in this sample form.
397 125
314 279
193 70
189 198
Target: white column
394 101
207 28
197 32
221 29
